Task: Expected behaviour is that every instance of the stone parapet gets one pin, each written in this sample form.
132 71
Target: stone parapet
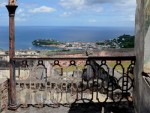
3 94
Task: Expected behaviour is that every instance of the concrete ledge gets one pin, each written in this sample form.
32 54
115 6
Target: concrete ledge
3 94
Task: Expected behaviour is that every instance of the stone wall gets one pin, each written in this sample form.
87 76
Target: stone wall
116 52
142 89
3 94
147 35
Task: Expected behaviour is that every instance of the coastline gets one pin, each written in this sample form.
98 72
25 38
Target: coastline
56 46
26 34
123 41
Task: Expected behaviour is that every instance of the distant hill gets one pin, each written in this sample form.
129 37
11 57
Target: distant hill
124 41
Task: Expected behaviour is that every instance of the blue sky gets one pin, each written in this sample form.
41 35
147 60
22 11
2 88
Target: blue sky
71 13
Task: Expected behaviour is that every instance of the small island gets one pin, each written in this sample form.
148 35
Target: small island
46 42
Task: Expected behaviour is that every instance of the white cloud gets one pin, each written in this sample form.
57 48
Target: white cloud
42 9
102 1
98 9
92 20
19 11
75 4
3 4
66 14
82 3
20 19
78 5
96 5
21 15
127 8
131 17
126 5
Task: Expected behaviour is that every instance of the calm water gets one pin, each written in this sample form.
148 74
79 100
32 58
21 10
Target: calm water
25 35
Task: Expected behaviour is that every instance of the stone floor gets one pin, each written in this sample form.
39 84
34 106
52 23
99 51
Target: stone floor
86 108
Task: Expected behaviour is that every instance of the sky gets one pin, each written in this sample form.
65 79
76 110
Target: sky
116 13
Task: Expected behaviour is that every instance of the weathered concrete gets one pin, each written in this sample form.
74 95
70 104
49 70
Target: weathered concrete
139 48
77 109
142 89
3 94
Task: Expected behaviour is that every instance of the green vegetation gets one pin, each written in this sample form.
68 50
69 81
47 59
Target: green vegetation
43 42
61 50
124 41
73 68
119 68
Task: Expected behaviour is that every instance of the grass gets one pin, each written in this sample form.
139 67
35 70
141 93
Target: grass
125 65
72 68
110 64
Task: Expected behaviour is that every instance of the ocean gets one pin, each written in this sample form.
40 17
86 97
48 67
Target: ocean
24 35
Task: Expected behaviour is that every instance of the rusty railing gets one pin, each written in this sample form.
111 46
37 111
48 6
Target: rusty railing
58 81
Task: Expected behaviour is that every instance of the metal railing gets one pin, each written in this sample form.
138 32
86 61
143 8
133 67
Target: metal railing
55 81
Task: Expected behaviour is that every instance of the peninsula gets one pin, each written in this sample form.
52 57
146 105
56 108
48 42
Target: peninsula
46 42
123 41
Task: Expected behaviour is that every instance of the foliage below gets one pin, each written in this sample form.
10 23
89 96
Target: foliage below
42 42
124 41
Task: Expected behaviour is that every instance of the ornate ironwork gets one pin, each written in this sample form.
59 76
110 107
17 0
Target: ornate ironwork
63 81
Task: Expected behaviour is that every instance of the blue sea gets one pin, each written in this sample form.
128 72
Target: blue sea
24 35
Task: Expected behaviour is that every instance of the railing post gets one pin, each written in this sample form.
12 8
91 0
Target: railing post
12 83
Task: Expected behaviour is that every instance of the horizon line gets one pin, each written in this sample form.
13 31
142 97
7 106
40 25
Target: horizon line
63 26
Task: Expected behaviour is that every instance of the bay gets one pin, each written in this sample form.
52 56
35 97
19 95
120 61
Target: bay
24 35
